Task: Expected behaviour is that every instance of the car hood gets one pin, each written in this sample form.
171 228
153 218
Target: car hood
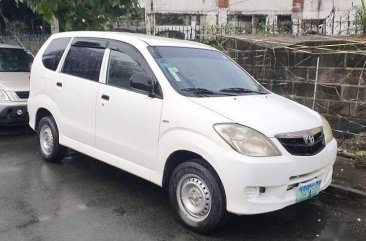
14 81
270 114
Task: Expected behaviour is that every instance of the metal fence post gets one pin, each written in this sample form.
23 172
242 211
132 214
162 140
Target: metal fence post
340 25
316 82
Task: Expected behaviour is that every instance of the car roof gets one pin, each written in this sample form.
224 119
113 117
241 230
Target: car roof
147 39
10 46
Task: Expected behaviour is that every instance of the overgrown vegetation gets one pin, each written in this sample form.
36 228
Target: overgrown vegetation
361 15
354 148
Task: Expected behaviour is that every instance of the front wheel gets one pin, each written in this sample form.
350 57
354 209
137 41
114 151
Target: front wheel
48 140
197 197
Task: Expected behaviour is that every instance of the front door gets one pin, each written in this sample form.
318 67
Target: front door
127 120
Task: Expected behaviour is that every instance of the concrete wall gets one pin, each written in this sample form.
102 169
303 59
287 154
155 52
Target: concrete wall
184 6
322 8
311 8
261 6
318 9
204 6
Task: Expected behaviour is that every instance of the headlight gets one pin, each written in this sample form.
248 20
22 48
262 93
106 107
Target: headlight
246 141
327 130
3 96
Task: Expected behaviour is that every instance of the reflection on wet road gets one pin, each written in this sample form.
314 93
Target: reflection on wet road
84 199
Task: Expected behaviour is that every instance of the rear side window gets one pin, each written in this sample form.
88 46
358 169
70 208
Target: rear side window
84 62
53 53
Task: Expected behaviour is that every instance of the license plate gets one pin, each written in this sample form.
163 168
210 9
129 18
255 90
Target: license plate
308 190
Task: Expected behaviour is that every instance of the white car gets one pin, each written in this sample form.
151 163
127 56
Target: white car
15 64
182 115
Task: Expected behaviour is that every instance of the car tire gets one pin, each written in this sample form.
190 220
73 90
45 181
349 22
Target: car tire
48 140
197 197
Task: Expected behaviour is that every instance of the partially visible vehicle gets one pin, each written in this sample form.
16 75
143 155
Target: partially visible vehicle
15 63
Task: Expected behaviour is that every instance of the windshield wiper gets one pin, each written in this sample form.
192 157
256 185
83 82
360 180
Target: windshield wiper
241 90
205 92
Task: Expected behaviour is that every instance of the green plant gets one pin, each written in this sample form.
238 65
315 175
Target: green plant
229 28
292 97
265 29
361 15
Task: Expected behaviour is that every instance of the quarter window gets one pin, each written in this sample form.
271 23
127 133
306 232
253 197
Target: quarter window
52 55
121 68
84 62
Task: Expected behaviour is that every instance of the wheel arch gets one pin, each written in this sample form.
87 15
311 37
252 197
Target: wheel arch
174 160
41 112
41 106
180 156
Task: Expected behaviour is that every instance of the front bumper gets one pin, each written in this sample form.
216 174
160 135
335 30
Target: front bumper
13 113
262 184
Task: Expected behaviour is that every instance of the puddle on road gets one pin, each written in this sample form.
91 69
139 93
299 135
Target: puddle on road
336 231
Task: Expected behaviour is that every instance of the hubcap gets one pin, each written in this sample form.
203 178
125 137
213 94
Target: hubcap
46 140
194 197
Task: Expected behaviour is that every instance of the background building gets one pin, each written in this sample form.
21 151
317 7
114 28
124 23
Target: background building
330 17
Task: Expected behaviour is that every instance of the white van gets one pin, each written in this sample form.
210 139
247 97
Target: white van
182 115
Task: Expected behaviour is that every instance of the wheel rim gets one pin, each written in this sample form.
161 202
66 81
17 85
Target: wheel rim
194 197
46 140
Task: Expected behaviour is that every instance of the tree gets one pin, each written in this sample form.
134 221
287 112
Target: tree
19 18
81 14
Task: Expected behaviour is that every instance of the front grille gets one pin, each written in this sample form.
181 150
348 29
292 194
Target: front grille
297 146
23 94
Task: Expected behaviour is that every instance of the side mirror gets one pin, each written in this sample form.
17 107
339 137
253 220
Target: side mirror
142 82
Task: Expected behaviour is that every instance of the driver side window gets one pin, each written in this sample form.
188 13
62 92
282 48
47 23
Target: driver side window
120 69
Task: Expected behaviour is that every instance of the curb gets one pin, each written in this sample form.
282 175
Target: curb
343 190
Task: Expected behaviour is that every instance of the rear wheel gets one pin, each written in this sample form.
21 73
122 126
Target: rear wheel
48 140
197 196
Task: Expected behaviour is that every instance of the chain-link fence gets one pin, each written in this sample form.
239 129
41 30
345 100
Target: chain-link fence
32 42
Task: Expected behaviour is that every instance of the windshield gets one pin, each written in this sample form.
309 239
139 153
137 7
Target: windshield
14 60
200 72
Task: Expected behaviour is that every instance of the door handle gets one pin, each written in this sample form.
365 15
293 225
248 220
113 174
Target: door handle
59 84
105 97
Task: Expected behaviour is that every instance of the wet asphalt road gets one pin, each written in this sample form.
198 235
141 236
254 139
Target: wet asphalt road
84 199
